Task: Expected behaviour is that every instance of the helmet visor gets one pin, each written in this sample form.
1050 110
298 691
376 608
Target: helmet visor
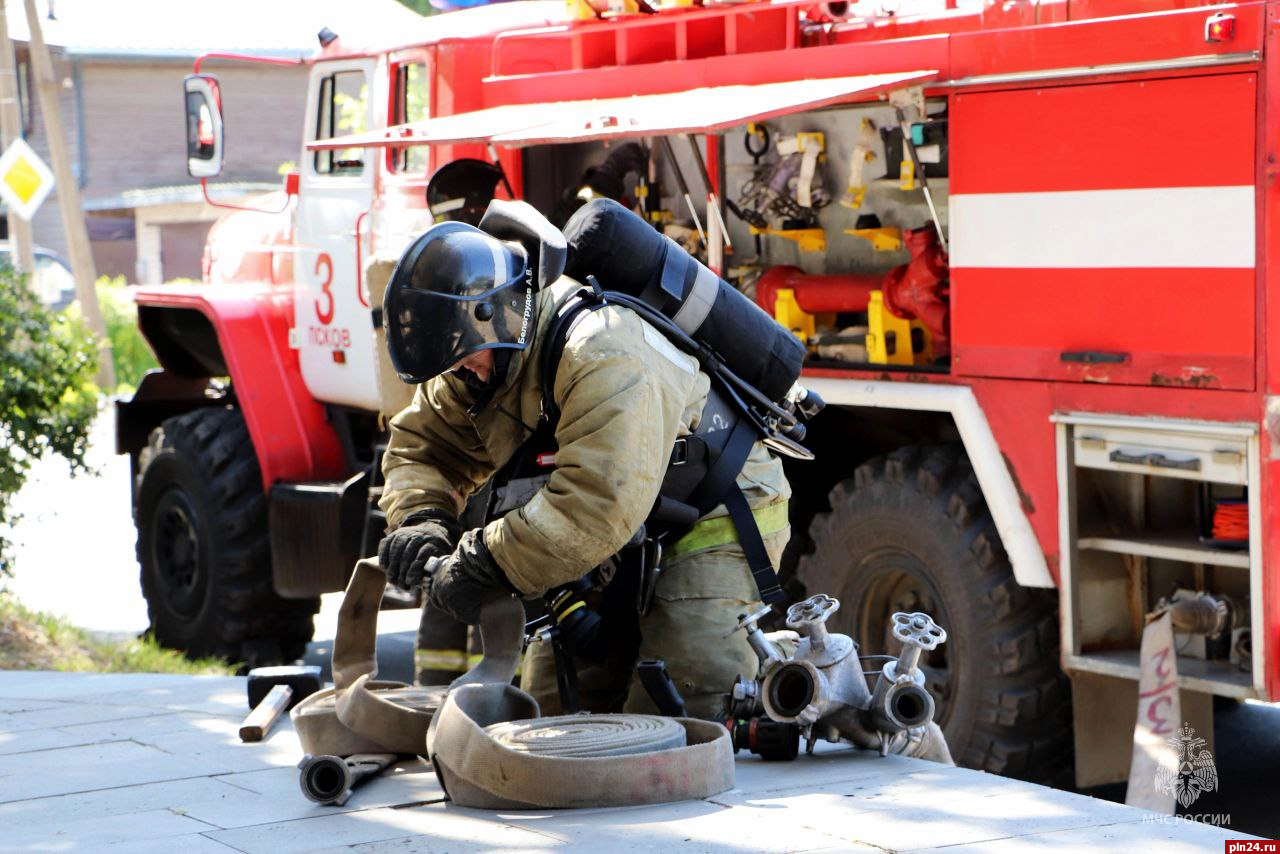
429 332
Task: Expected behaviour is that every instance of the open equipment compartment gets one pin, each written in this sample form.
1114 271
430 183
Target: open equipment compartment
1132 533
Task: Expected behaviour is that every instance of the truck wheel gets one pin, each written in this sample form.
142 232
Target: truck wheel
911 532
201 516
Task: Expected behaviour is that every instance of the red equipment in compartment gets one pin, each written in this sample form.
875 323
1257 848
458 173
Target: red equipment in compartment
917 290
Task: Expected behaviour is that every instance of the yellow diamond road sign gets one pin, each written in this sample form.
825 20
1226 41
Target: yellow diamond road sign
25 180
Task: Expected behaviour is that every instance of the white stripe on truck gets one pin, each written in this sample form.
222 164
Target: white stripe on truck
1183 227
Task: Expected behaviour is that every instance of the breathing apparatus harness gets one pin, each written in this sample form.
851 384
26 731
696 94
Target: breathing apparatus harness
703 466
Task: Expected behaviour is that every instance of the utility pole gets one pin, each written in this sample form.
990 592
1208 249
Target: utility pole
11 129
68 191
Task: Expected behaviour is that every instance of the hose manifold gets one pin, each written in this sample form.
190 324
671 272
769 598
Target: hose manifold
823 689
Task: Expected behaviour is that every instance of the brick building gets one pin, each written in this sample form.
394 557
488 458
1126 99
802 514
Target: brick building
122 64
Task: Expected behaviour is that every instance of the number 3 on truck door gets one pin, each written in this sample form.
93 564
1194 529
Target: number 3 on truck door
325 314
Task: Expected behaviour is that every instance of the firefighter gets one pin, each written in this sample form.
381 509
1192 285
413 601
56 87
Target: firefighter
606 180
466 320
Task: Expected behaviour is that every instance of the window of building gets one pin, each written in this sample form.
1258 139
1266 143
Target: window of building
411 104
343 109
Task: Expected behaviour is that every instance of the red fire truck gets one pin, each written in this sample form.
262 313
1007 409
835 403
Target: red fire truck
1026 243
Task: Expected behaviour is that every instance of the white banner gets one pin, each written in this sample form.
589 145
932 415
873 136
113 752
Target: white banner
1159 716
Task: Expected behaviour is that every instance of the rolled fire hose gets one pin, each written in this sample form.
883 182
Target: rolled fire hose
485 738
587 736
491 751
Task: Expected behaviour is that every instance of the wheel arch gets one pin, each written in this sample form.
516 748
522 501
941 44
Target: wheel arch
867 418
239 331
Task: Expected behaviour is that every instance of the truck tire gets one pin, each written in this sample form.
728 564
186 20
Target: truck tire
911 532
201 515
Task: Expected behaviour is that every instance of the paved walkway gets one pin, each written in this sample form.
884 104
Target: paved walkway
141 763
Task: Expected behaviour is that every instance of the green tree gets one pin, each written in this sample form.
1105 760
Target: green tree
130 352
47 397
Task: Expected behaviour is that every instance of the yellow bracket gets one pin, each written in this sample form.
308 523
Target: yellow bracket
907 175
788 313
815 138
586 10
889 337
853 197
887 239
808 239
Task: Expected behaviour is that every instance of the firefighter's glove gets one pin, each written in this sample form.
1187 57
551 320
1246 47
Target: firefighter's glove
460 583
403 554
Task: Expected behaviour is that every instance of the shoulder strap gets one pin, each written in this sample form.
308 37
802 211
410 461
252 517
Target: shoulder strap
720 484
568 316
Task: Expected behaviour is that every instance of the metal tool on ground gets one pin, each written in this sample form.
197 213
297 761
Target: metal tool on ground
670 154
264 715
768 739
303 679
823 690
330 779
272 691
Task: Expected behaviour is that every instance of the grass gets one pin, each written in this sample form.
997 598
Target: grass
34 641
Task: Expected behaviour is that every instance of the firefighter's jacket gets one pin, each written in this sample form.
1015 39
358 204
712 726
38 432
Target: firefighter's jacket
625 395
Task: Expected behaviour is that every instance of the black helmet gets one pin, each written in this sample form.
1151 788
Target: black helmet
461 190
456 291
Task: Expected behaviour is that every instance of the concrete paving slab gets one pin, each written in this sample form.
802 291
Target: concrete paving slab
1161 833
178 795
155 723
178 780
218 695
107 753
44 685
34 740
222 746
92 834
70 714
146 765
273 796
190 844
753 774
273 783
935 824
695 826
913 784
448 830
9 706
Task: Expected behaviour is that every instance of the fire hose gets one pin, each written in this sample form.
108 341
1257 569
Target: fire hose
485 738
491 749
